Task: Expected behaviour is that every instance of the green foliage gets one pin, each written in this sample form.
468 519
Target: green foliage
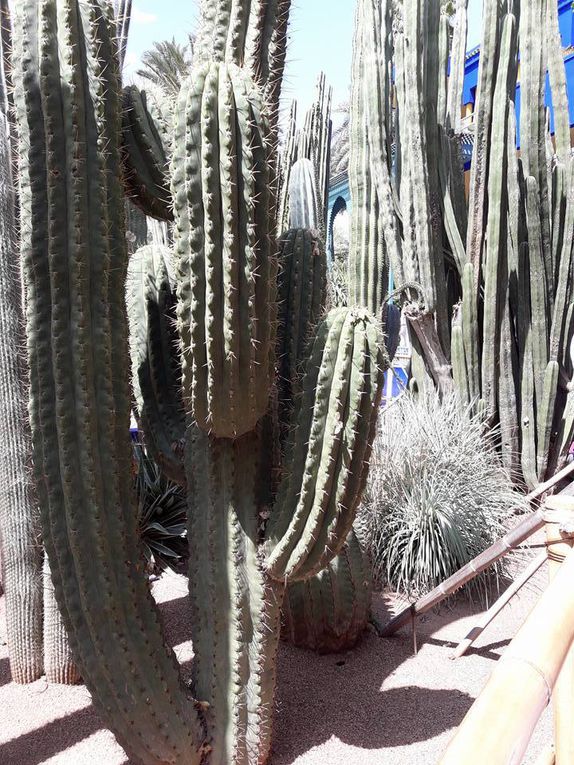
162 515
437 494
166 64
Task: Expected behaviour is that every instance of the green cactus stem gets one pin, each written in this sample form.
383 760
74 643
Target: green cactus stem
329 447
144 157
329 612
75 264
156 367
226 269
235 638
19 521
302 285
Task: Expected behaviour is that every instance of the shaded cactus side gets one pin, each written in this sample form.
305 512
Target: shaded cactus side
329 612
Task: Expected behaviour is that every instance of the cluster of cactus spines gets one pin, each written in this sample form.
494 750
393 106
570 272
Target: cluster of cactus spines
225 259
77 338
145 161
156 368
329 612
19 522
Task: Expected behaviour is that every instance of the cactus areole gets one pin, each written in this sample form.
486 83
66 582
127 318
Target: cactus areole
69 110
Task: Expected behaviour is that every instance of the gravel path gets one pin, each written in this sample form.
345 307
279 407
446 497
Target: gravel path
376 705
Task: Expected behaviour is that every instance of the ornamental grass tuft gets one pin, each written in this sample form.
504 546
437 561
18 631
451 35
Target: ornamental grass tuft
437 495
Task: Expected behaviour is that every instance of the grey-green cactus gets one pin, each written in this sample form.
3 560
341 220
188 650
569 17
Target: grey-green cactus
79 405
36 637
156 366
74 253
19 523
330 611
302 289
226 267
498 263
304 166
145 160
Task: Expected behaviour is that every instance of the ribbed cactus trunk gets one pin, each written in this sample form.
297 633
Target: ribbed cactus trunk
74 254
19 518
59 664
73 249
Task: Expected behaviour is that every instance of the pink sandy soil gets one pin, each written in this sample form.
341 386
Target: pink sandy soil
375 705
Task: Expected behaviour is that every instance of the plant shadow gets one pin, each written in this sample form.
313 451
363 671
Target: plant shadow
40 744
355 696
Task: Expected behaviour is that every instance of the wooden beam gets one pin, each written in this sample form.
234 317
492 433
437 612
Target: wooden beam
499 725
487 617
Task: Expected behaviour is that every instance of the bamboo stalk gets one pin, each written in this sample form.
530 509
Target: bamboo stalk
547 757
529 525
488 616
560 539
499 725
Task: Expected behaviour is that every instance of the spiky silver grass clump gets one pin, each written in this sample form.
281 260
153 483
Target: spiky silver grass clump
437 495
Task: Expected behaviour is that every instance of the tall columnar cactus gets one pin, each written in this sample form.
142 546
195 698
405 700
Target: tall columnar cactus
37 640
19 523
304 166
501 261
156 367
226 265
302 288
73 250
74 253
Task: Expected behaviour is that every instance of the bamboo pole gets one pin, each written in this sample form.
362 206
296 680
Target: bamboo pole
501 721
529 525
547 757
560 539
487 617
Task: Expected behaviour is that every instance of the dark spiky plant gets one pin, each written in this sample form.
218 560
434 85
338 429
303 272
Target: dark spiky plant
162 515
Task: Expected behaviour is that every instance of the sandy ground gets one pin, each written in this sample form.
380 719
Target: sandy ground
376 705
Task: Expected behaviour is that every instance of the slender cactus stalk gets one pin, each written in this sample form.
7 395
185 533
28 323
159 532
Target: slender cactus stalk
19 519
